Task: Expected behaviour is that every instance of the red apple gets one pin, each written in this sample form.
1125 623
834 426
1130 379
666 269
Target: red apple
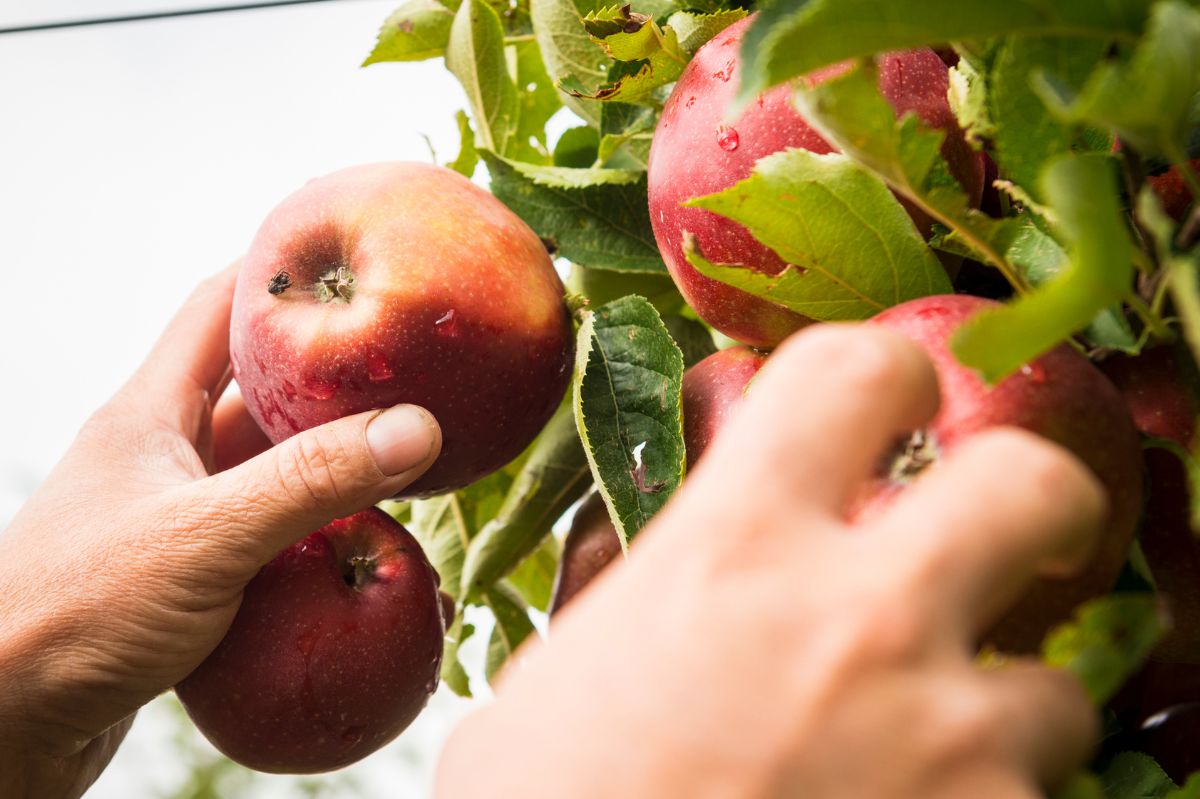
335 649
698 150
1173 192
1163 393
400 282
591 545
711 390
1060 396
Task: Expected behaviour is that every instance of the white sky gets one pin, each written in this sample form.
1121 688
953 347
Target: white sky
134 160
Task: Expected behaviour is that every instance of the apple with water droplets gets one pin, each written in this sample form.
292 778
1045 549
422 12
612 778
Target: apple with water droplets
403 283
335 649
1060 396
697 150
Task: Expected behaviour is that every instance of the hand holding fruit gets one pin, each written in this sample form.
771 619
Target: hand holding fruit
767 647
126 568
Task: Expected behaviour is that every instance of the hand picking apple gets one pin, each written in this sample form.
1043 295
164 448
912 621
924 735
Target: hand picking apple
127 566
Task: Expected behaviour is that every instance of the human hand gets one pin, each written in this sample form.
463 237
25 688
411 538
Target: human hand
126 567
757 644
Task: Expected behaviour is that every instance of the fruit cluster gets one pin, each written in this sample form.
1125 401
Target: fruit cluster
401 283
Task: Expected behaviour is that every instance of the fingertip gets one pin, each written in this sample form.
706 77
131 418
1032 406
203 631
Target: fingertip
404 440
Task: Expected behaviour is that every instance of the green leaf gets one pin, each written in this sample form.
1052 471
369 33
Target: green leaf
1027 135
969 94
512 628
851 247
1106 642
453 673
598 217
628 376
418 30
475 55
1147 99
850 112
533 579
555 474
537 101
1190 790
649 56
445 525
568 51
600 286
793 37
694 340
1082 191
468 156
626 131
1133 774
694 30
577 148
1081 786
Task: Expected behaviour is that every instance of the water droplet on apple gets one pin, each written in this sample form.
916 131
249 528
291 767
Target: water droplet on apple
727 138
378 369
690 102
1034 373
289 390
320 388
447 324
353 735
726 71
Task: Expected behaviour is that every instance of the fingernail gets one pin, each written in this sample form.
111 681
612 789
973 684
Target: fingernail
401 438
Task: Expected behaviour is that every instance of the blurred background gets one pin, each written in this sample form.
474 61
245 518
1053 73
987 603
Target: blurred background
135 159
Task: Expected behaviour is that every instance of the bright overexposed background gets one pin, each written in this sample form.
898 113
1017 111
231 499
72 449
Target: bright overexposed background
134 160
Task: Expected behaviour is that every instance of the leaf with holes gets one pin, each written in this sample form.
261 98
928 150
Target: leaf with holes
628 379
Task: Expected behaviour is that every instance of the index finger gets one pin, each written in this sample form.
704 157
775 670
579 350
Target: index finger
819 415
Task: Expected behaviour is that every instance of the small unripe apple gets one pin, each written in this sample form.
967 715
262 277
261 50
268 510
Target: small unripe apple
403 283
591 545
1162 390
1060 396
711 390
698 150
335 649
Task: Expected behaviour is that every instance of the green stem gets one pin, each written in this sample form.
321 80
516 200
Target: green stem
1181 276
1149 318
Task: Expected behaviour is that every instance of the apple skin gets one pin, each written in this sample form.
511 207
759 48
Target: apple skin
1162 391
711 390
324 663
591 545
1060 396
1172 191
456 307
696 151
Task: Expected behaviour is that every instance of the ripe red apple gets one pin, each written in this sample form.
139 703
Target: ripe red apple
711 389
1162 390
591 545
401 282
335 649
1175 195
697 150
1060 396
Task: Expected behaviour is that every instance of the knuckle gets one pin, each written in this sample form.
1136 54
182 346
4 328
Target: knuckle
890 632
315 468
962 723
857 359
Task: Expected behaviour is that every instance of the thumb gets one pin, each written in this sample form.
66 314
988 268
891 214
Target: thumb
322 474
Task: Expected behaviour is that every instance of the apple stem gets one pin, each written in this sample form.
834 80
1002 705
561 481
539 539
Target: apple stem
361 570
336 285
919 451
